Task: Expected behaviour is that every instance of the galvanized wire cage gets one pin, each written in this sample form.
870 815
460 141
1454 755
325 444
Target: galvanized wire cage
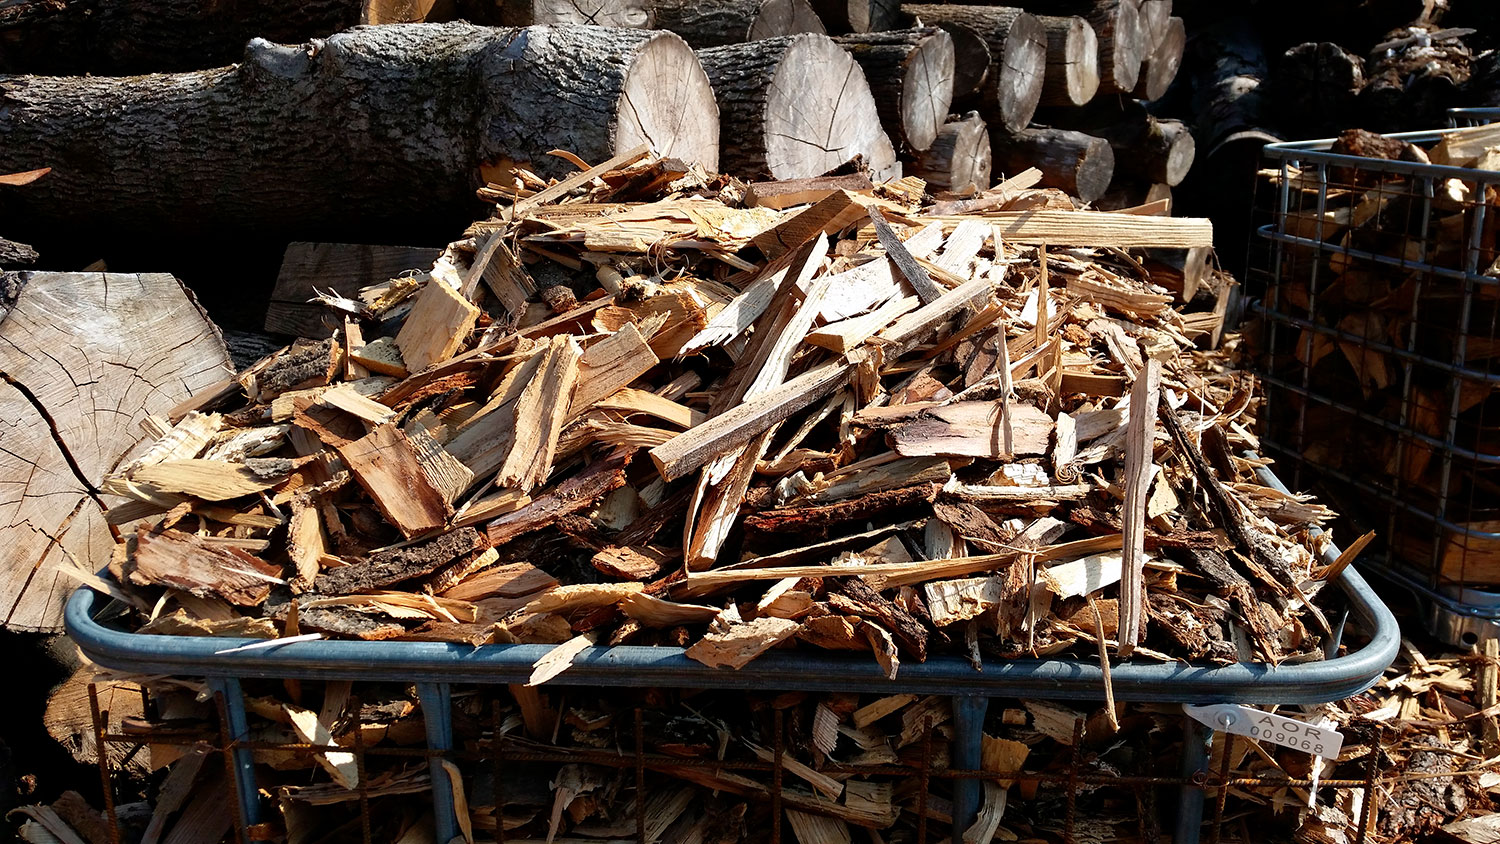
1380 354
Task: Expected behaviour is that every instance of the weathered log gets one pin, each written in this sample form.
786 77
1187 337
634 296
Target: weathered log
971 59
1122 43
795 107
634 14
1317 85
1077 163
959 159
1018 57
1154 17
74 346
910 73
268 145
1147 150
1162 63
1072 61
74 37
842 17
735 21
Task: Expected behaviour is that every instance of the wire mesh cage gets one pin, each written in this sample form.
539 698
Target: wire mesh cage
1379 347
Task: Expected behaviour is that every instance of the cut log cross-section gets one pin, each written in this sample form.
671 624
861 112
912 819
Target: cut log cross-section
637 14
971 58
736 21
1162 63
1018 56
1122 41
910 73
84 358
959 159
1080 164
265 145
1072 61
845 16
795 107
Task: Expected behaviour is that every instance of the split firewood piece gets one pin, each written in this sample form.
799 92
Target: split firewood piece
927 289
539 416
735 21
1018 56
1140 443
388 468
582 596
387 568
609 365
911 76
787 193
829 215
740 642
185 441
818 829
821 782
557 660
950 601
511 580
959 159
577 492
497 266
655 612
846 335
306 541
311 730
305 364
382 357
991 812
444 471
439 323
183 561
928 713
1083 576
210 480
350 401
972 429
788 129
873 479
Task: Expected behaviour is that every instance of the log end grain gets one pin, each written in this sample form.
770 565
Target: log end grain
959 159
1072 76
667 102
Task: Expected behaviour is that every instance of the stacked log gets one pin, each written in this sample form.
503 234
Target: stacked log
735 21
910 73
1017 44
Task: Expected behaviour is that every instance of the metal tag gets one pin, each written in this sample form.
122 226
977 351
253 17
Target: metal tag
1266 726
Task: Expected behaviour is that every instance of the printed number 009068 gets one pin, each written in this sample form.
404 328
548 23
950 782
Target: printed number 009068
1289 740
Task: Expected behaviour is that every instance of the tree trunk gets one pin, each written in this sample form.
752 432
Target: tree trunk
910 73
1317 86
1147 149
1072 76
121 37
632 14
1161 64
796 107
959 159
1018 57
84 358
1082 165
735 21
1117 24
378 125
843 17
1154 15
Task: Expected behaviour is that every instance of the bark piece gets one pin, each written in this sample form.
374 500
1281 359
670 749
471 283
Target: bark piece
1072 77
800 107
183 561
853 596
364 95
1080 164
134 344
910 73
736 21
570 496
959 158
1018 57
1140 442
387 466
388 568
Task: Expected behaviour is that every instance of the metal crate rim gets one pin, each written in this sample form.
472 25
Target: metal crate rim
1317 150
639 666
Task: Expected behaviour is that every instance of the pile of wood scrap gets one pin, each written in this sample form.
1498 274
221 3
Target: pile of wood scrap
1410 348
561 765
651 405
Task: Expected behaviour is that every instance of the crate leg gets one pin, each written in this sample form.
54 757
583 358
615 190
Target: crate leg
437 713
244 760
1196 742
968 755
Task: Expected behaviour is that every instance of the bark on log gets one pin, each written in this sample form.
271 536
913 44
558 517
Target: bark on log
1079 164
1161 65
121 37
842 17
631 14
959 159
971 59
910 73
15 255
736 21
1072 77
1122 43
1147 149
795 107
84 357
1413 79
375 126
1018 57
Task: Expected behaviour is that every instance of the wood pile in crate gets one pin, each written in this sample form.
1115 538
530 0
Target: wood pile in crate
537 763
1435 390
652 405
